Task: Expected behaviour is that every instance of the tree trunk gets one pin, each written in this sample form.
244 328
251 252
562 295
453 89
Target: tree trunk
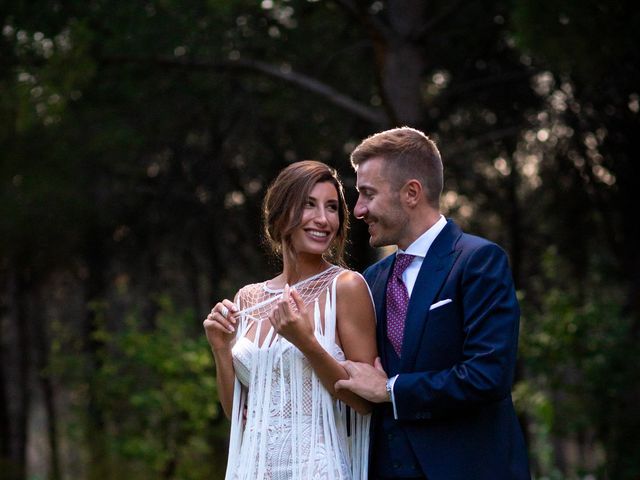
42 357
98 466
400 61
5 430
401 81
16 395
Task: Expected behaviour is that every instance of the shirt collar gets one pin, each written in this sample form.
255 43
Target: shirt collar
421 245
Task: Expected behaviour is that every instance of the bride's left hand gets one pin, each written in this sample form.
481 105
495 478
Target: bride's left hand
295 326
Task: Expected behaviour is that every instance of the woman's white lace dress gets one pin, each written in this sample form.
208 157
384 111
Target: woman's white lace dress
285 424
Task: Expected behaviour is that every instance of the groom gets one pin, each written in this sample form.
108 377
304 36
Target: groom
447 327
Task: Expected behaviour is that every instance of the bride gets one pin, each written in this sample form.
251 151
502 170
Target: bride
278 345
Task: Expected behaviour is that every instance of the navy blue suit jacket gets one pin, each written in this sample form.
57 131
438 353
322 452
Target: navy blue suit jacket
453 392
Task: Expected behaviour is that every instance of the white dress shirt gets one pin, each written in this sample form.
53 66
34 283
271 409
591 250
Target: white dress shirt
419 249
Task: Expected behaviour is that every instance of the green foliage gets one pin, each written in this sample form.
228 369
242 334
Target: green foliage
576 348
157 390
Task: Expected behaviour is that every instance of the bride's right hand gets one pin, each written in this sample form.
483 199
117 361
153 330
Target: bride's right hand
220 329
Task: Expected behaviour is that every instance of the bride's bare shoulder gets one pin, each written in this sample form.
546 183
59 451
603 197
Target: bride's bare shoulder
350 281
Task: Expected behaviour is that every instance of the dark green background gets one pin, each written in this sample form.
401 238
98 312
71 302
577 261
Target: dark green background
136 142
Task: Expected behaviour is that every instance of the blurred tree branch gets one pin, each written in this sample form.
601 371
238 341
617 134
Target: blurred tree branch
305 82
474 142
485 82
438 19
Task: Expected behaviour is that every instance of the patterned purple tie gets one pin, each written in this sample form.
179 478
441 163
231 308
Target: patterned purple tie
397 301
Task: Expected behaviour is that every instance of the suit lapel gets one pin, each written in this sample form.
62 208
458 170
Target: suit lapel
379 293
433 273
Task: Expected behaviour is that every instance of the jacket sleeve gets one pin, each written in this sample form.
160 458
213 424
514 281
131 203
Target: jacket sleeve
490 322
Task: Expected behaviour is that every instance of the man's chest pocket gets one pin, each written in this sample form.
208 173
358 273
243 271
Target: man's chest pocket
443 333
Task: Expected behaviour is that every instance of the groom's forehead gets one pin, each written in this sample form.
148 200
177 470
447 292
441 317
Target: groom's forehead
370 175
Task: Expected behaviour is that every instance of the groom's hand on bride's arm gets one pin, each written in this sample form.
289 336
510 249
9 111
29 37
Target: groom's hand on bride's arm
367 381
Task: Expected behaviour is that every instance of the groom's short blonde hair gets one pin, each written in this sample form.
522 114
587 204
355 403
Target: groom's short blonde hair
407 154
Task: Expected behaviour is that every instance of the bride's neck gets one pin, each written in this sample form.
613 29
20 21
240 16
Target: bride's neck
302 267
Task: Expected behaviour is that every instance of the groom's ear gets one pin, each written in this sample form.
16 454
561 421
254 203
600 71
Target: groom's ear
412 193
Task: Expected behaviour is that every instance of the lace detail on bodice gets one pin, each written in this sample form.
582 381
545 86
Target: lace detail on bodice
245 353
256 300
285 424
